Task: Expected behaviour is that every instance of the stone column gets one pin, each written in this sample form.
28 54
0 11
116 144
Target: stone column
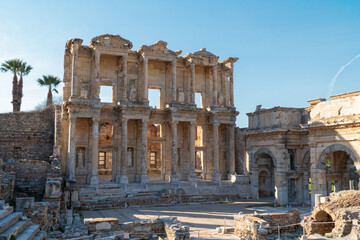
124 77
96 85
174 156
124 138
214 72
192 175
144 178
216 175
145 86
226 89
114 142
231 151
74 80
231 85
118 152
71 150
94 151
192 83
173 81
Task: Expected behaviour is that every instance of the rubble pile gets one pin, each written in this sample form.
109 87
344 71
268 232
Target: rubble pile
175 230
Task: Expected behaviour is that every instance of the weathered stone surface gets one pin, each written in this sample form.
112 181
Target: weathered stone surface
335 215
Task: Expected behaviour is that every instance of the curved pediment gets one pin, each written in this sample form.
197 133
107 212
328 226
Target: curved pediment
158 48
202 57
109 40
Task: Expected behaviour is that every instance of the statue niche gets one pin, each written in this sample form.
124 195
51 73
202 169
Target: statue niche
132 92
80 157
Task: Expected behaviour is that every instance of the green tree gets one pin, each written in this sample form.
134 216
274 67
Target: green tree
13 66
51 82
23 71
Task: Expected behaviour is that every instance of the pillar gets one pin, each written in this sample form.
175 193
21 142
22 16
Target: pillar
96 85
216 175
71 150
124 77
114 142
124 138
94 151
145 79
118 151
144 178
214 72
192 175
74 81
192 83
173 81
174 156
281 188
226 89
231 83
231 150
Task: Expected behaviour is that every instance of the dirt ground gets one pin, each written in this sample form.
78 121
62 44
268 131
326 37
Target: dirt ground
202 219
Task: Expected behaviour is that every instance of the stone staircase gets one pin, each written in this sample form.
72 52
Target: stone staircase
14 224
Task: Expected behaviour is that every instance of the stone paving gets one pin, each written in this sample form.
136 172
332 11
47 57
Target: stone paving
201 218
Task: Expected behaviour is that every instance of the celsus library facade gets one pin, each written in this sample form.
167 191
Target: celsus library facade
191 149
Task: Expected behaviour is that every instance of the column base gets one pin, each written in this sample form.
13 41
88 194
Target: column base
192 178
174 179
144 179
94 180
215 177
234 178
123 179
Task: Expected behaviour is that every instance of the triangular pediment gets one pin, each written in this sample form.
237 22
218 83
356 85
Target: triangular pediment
109 40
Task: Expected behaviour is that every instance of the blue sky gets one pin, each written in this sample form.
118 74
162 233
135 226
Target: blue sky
289 51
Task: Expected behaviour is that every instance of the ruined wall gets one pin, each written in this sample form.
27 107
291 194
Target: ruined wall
27 135
31 176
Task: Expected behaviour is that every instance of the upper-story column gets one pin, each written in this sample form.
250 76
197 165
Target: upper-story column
74 79
232 84
174 156
173 80
144 178
214 72
226 88
94 151
71 150
96 84
231 150
146 80
192 176
124 138
192 83
124 77
216 176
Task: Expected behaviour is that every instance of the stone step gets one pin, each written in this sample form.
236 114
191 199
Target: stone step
5 213
29 233
15 229
8 221
40 236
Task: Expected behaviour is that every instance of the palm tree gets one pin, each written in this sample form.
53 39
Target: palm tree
51 82
23 71
13 66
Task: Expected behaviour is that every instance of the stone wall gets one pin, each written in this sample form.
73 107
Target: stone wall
335 216
259 226
27 135
31 176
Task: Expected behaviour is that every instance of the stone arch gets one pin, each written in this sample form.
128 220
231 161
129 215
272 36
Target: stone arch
334 148
260 152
